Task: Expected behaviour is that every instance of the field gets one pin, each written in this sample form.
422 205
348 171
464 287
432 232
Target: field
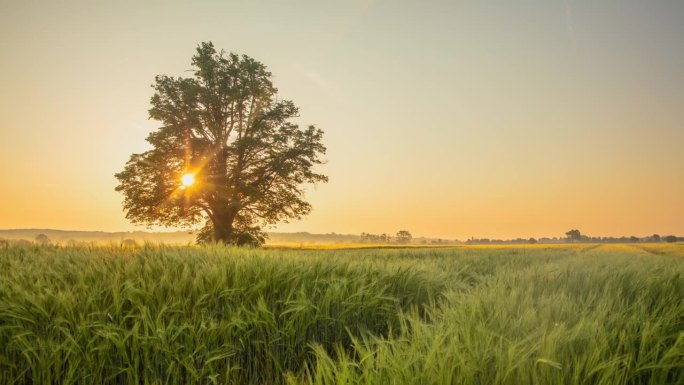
563 314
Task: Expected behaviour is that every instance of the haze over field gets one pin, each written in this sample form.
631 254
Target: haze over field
452 119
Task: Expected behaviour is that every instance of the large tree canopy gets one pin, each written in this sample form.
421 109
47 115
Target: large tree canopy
225 127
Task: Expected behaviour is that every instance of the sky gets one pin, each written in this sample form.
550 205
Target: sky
451 119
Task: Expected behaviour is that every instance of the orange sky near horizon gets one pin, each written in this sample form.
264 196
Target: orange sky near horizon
448 119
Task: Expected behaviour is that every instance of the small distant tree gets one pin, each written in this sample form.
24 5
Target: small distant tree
634 239
403 236
128 242
655 238
574 235
42 239
671 239
531 241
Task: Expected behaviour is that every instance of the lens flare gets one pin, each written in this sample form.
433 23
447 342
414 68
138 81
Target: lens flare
187 180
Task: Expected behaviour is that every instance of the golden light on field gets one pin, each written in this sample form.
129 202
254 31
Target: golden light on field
187 180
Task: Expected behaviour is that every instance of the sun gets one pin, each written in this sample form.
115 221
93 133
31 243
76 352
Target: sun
187 180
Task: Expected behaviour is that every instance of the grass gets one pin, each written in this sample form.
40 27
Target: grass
538 314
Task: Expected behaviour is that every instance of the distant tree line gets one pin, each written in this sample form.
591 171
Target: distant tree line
487 241
402 236
575 236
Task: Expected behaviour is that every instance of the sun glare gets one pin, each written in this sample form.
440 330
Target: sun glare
188 180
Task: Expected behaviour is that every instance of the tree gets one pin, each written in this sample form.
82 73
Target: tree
531 241
42 239
574 235
655 238
226 153
128 242
403 236
671 238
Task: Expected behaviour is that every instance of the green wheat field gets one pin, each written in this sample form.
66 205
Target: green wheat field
562 314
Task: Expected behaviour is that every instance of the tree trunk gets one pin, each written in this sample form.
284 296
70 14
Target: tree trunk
224 214
223 226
